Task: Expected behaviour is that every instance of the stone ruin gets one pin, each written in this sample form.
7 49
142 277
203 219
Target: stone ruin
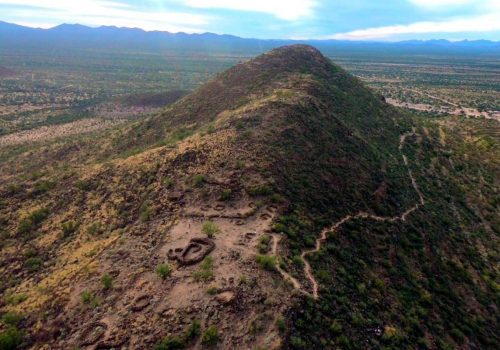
194 252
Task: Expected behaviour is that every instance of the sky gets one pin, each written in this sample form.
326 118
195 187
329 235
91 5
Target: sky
377 20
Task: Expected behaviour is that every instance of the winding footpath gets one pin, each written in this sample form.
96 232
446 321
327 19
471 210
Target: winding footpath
361 215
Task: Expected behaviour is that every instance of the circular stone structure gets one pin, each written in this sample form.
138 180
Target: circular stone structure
92 333
194 252
140 303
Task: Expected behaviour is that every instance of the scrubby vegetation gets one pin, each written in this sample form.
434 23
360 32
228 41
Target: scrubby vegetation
163 271
210 337
205 271
266 261
210 229
422 267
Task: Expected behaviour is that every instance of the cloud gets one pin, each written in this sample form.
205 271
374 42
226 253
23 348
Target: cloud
482 23
441 3
47 13
284 9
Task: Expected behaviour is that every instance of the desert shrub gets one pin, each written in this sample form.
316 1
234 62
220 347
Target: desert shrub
10 338
107 281
95 228
263 245
205 272
210 229
297 260
90 299
193 330
258 324
168 182
14 189
32 220
210 336
279 228
30 253
163 270
11 319
42 187
336 327
225 195
298 343
68 228
145 211
83 185
240 164
260 190
177 342
277 198
171 343
15 299
199 180
33 263
267 262
212 291
280 323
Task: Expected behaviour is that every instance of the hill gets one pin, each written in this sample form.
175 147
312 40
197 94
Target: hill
282 204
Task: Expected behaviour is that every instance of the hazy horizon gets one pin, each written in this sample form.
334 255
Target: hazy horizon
362 20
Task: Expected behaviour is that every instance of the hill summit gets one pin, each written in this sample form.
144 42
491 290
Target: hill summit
281 205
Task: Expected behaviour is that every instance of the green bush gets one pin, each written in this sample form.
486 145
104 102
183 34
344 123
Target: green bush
240 164
205 272
15 299
336 327
33 264
280 323
68 228
267 262
260 190
41 187
210 229
193 330
171 343
11 319
107 281
163 271
210 336
83 185
90 299
145 211
95 228
263 245
32 221
10 339
199 180
225 195
212 291
168 182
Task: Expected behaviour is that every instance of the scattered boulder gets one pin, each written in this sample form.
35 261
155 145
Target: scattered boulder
225 297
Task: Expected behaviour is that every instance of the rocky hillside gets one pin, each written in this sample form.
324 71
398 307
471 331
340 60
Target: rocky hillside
281 205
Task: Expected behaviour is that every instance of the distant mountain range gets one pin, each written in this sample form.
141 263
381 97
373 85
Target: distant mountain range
76 36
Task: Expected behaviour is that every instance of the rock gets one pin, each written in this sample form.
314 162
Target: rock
225 298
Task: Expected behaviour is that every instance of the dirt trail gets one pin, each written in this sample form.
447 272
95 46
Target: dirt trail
335 226
286 275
